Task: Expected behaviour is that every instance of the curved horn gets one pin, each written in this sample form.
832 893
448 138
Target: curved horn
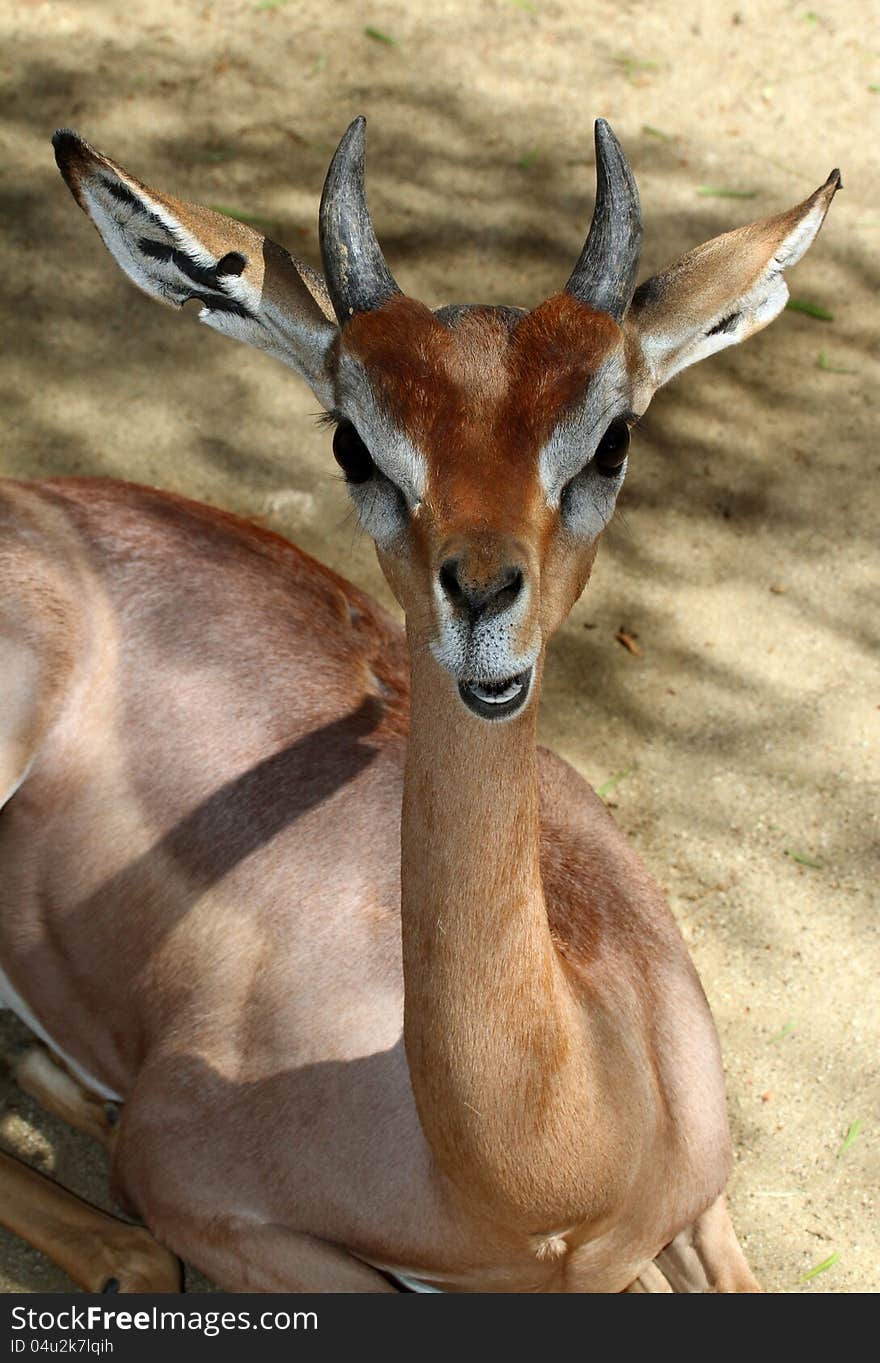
605 275
358 280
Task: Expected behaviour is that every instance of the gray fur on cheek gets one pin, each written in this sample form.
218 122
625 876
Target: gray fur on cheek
588 502
574 439
381 509
391 449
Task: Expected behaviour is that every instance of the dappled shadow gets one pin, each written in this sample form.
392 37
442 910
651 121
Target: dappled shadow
748 521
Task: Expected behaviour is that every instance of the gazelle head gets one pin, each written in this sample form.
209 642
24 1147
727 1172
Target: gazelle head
483 447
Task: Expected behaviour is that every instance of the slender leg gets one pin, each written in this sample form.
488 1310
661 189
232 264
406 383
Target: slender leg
37 1072
707 1257
96 1250
650 1280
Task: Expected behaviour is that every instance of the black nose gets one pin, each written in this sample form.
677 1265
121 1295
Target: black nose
480 597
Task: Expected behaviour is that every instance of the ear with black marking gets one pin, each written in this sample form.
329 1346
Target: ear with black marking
249 287
718 294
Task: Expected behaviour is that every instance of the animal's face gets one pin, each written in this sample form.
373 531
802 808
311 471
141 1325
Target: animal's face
484 450
484 447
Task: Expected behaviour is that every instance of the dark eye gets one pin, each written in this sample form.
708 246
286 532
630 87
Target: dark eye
612 448
351 454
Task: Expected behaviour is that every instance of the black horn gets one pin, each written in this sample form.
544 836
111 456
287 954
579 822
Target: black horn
358 280
605 275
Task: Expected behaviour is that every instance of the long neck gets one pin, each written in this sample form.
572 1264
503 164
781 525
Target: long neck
491 1029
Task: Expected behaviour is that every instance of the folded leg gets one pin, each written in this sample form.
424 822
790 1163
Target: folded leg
99 1252
707 1257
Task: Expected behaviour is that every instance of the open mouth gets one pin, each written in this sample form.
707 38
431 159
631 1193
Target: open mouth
497 700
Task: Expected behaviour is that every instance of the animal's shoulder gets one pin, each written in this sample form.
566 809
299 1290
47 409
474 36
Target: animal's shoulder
602 900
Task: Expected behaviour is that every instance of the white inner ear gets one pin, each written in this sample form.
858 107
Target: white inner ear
803 236
124 223
115 221
669 351
232 304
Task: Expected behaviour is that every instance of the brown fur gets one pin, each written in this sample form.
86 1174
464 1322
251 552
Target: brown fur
478 397
93 1248
372 1003
225 952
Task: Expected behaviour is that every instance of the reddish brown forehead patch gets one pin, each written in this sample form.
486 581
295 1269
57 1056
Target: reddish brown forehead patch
554 352
480 378
406 353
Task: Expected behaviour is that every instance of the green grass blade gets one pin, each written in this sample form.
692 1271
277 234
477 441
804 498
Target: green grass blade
802 860
820 1268
379 36
852 1135
615 780
718 192
780 1036
631 66
827 367
810 309
656 132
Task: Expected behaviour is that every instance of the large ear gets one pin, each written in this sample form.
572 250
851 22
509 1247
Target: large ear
250 287
718 294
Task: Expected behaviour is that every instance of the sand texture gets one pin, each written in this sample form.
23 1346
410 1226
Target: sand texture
743 558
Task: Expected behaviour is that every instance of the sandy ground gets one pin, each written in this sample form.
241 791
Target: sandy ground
744 557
